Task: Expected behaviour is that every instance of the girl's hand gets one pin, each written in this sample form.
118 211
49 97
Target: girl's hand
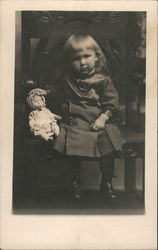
99 123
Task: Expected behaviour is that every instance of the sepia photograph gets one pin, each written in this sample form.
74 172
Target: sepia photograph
78 131
79 113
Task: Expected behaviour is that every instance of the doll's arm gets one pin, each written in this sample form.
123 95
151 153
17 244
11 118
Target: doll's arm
53 116
55 128
54 125
32 122
57 117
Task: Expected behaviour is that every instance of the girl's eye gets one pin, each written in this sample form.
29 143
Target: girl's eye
77 58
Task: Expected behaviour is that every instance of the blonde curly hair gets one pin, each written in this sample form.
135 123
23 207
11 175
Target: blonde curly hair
78 41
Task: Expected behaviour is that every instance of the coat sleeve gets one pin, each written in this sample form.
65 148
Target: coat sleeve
109 100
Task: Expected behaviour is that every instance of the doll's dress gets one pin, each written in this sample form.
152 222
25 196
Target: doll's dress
43 122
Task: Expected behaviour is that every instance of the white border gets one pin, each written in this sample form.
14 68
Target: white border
69 231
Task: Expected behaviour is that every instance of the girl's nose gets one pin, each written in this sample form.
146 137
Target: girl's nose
82 61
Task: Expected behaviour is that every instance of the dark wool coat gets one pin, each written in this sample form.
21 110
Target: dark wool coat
81 104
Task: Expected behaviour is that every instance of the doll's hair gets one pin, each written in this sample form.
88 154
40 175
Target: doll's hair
78 41
30 98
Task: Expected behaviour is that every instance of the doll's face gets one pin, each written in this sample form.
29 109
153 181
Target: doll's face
83 61
38 102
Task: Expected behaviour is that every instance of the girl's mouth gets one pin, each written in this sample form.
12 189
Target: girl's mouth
84 69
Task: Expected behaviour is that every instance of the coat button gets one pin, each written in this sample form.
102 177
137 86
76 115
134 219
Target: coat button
70 120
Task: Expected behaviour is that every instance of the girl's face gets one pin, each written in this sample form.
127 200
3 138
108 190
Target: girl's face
83 61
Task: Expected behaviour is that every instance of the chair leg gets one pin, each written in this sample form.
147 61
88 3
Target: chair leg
130 174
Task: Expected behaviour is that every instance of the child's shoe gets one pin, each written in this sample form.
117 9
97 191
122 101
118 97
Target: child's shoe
76 189
107 190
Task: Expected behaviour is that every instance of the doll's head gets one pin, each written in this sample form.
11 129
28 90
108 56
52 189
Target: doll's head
36 101
83 55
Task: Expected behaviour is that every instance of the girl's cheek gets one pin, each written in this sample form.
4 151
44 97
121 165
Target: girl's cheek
75 65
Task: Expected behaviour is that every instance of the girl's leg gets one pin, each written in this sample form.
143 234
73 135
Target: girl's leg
107 170
75 168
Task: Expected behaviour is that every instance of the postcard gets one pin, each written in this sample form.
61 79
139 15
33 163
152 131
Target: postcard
78 124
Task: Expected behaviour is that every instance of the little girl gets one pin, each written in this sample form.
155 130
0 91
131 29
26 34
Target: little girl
90 111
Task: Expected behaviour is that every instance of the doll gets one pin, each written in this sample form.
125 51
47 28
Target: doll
42 121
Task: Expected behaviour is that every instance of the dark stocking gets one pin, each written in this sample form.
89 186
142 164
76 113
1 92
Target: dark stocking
107 170
107 167
75 168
